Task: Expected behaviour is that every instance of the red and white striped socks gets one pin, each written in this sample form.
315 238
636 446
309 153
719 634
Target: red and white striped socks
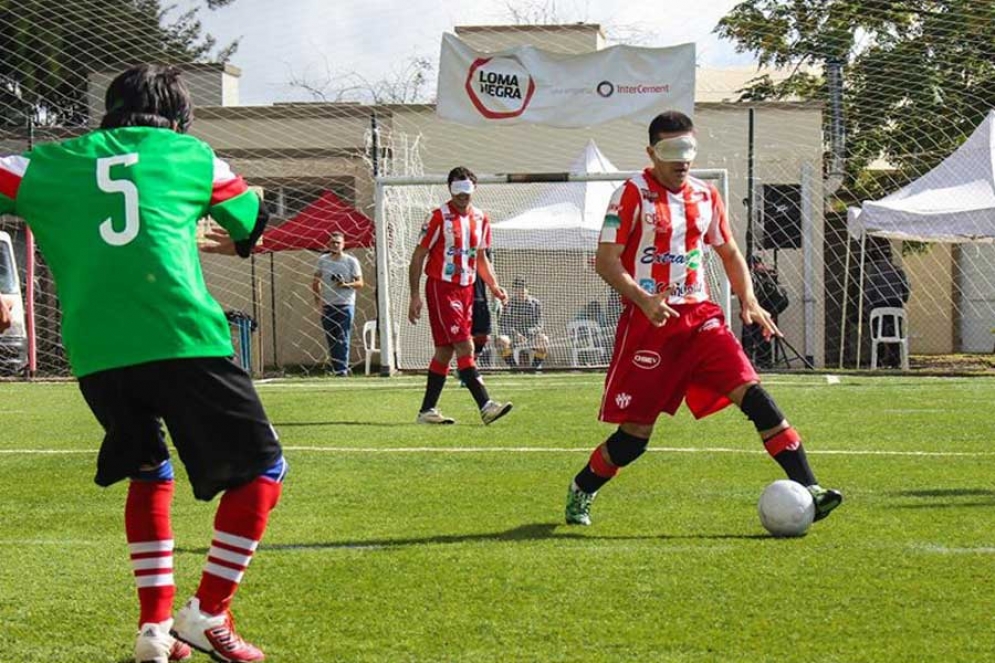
238 526
150 544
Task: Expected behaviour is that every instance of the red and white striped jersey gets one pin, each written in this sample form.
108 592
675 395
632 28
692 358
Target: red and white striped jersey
453 240
664 233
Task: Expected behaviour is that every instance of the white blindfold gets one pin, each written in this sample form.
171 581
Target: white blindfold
678 148
461 186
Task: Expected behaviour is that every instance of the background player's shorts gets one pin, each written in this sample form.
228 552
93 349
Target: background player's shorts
210 408
450 311
694 358
481 323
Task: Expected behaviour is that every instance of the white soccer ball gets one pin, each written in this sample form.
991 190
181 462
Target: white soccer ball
786 508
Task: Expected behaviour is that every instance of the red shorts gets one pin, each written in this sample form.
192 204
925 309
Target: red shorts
694 358
450 311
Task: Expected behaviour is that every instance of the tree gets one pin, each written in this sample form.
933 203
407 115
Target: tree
48 48
918 75
406 85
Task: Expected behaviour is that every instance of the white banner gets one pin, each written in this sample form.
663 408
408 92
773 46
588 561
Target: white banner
526 84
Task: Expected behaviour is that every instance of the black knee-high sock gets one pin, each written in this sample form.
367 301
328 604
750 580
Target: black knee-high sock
786 448
795 465
471 378
433 389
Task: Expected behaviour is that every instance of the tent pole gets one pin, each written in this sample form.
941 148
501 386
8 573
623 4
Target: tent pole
846 295
860 295
272 296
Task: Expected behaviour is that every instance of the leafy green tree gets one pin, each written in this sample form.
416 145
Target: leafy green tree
48 48
918 75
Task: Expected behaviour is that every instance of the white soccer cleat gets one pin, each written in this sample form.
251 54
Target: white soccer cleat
433 416
155 645
492 411
214 635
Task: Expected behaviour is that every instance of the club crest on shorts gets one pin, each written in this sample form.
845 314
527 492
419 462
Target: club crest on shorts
622 400
454 329
456 305
710 324
646 359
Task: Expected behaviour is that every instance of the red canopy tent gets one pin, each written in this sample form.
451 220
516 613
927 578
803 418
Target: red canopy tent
310 230
312 226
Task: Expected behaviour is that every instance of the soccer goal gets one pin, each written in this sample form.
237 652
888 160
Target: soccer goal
545 231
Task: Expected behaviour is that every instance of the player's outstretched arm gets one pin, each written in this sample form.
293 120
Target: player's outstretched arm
742 286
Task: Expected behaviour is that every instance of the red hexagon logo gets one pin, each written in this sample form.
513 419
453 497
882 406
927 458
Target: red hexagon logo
499 88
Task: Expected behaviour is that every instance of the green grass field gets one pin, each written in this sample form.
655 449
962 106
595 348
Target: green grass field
398 542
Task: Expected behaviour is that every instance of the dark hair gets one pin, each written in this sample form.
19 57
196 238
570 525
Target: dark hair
518 282
148 95
461 173
669 122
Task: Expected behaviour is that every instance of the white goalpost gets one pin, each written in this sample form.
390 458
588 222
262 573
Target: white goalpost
544 228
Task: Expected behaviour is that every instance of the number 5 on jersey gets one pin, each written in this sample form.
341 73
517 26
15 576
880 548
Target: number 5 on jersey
126 188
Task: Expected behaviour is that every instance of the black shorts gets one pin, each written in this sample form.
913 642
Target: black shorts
481 322
209 406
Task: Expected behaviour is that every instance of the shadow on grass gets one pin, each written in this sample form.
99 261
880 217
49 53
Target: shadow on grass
533 532
946 498
292 424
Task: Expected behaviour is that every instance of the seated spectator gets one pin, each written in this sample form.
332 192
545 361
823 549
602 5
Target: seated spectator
885 285
521 323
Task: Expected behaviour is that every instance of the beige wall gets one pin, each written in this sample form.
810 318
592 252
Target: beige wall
930 309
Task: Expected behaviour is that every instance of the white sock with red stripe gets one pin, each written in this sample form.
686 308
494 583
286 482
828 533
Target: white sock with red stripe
150 544
238 527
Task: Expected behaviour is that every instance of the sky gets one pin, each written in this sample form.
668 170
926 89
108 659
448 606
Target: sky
322 40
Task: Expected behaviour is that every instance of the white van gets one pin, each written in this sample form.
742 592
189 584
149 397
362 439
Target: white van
14 341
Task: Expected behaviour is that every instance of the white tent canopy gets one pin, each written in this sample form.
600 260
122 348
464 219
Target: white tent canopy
566 216
954 202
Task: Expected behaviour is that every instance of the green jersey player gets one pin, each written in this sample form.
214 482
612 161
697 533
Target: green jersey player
115 214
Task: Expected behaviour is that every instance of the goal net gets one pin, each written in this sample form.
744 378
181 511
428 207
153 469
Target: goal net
545 228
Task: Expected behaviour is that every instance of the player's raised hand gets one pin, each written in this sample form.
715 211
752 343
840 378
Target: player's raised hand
217 240
752 313
656 309
414 309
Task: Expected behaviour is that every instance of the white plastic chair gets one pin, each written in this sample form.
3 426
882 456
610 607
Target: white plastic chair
899 334
370 347
584 337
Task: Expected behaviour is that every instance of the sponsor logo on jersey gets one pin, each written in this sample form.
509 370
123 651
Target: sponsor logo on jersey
649 196
649 217
612 220
456 251
685 290
646 359
694 259
649 285
622 400
652 255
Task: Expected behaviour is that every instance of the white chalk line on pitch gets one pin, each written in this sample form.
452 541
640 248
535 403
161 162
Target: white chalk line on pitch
478 450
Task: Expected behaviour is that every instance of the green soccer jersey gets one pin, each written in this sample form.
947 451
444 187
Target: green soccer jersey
115 215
